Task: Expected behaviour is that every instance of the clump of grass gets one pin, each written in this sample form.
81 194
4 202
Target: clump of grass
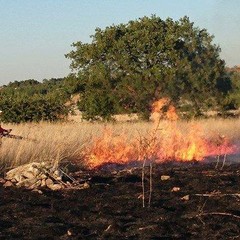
59 142
43 142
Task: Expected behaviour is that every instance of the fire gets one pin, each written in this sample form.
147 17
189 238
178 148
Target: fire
163 143
220 145
183 147
171 113
158 112
109 148
157 106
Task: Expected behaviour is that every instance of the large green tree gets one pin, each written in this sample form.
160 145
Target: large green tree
128 66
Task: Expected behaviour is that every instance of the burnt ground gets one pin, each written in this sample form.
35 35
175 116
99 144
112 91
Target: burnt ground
112 207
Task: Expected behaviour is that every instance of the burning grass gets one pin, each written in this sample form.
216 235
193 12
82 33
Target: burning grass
161 143
96 144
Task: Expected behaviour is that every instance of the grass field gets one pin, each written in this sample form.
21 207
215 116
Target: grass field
57 142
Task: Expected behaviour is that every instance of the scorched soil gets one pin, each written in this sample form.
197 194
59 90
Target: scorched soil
196 202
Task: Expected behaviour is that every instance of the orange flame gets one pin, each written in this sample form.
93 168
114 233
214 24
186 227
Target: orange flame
157 106
109 148
171 113
170 143
182 147
158 111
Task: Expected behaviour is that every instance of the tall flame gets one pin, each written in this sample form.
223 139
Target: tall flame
182 147
158 111
171 113
109 148
160 144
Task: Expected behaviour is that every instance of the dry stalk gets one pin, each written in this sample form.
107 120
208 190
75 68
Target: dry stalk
150 185
51 175
218 214
201 213
146 153
143 183
217 162
66 175
224 161
202 207
218 194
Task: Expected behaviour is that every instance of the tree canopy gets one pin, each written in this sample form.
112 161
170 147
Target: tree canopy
30 100
128 66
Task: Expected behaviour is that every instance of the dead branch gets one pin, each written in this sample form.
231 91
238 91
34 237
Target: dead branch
218 214
19 137
203 214
143 183
68 176
224 160
150 185
217 194
217 162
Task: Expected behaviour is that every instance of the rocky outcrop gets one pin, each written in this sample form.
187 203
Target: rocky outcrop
38 175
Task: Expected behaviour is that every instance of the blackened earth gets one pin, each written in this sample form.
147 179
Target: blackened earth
112 207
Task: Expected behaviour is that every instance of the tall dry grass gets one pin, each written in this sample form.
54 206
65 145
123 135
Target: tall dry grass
59 142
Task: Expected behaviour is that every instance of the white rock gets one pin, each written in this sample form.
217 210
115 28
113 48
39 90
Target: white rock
43 183
2 180
55 187
34 175
185 198
58 174
26 182
175 189
8 184
29 174
35 185
49 182
19 172
13 180
37 190
165 177
42 176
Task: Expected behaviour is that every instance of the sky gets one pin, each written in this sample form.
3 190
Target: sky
36 34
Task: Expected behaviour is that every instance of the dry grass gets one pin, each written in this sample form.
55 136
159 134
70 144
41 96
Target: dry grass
228 127
57 142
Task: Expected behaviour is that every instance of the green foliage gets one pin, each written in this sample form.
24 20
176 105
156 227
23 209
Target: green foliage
29 100
234 98
128 66
34 109
125 69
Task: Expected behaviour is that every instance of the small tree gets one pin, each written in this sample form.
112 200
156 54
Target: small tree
128 66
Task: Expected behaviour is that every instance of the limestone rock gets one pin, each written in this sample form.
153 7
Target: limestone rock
55 187
35 185
43 182
26 169
8 184
37 190
35 175
85 185
26 182
29 174
49 182
175 189
165 177
185 198
2 180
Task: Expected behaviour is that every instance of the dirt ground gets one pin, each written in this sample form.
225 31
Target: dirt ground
197 202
